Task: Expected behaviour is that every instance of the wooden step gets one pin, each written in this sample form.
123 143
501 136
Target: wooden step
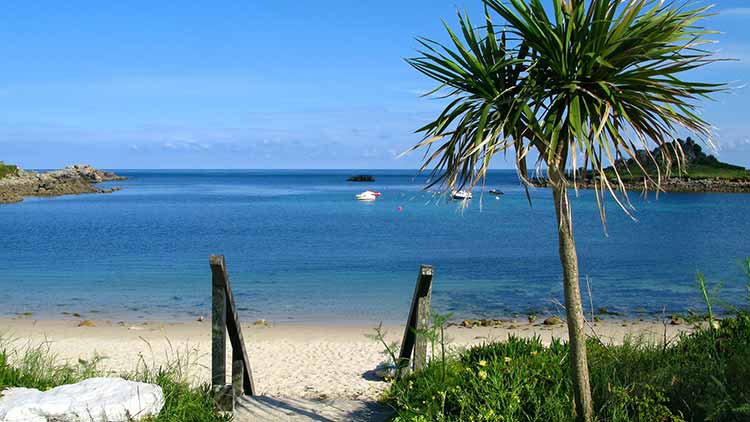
271 409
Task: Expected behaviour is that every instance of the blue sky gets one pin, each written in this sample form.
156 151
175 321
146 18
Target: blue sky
289 84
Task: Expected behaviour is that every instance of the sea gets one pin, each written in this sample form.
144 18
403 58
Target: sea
301 249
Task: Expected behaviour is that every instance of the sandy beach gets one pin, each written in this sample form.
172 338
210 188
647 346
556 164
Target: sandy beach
287 360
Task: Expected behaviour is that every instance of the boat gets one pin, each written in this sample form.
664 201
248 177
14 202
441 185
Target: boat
366 196
376 193
496 192
461 194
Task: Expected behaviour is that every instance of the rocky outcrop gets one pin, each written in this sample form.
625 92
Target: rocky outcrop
71 180
693 156
672 184
361 178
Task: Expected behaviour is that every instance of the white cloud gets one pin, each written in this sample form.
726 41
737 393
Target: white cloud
735 11
186 146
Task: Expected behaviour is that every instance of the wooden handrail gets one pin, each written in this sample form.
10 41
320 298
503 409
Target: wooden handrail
419 319
224 319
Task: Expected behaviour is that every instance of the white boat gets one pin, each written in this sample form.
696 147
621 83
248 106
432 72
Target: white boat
366 196
461 194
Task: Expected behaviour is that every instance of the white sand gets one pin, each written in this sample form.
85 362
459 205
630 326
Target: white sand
286 360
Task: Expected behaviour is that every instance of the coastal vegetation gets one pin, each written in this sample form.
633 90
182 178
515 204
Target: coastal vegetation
574 87
696 164
697 172
34 366
701 376
7 170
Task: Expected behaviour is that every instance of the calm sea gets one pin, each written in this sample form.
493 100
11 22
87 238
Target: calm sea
300 248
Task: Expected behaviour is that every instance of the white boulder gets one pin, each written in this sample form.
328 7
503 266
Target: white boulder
92 400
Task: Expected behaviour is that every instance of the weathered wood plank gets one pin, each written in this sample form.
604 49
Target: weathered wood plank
418 317
238 377
218 327
424 313
218 268
224 397
284 409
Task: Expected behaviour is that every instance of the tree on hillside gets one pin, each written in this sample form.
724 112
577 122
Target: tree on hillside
584 85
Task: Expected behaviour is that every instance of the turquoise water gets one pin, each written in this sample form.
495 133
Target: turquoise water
300 248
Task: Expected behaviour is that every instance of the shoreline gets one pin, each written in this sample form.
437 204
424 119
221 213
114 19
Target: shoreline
668 185
288 359
72 180
601 315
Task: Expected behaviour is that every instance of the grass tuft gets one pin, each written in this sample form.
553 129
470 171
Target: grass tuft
702 376
35 366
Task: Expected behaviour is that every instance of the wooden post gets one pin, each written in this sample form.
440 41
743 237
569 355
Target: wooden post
238 375
424 313
419 319
232 323
218 328
224 397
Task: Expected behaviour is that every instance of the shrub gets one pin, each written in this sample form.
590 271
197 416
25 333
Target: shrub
7 170
703 376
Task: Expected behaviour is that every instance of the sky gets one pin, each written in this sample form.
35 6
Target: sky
263 84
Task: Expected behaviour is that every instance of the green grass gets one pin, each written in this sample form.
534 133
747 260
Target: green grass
36 367
703 376
694 171
7 170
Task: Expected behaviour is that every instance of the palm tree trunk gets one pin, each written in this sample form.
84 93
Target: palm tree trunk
573 306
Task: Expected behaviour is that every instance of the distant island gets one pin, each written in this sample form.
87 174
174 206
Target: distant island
16 183
361 178
700 172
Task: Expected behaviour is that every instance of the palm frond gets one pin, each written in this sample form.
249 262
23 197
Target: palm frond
593 83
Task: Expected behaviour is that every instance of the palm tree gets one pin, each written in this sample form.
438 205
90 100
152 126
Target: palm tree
584 84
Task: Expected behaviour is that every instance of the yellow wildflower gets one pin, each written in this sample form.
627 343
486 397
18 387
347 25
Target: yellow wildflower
482 363
534 353
482 375
508 359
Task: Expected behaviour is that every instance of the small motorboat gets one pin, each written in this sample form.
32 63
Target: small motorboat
366 196
496 192
376 193
461 195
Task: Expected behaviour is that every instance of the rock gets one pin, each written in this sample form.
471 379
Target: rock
606 311
553 320
361 178
385 371
76 314
87 323
200 318
261 323
71 180
467 323
92 400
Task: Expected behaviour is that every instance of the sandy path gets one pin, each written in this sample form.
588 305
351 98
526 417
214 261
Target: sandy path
287 360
